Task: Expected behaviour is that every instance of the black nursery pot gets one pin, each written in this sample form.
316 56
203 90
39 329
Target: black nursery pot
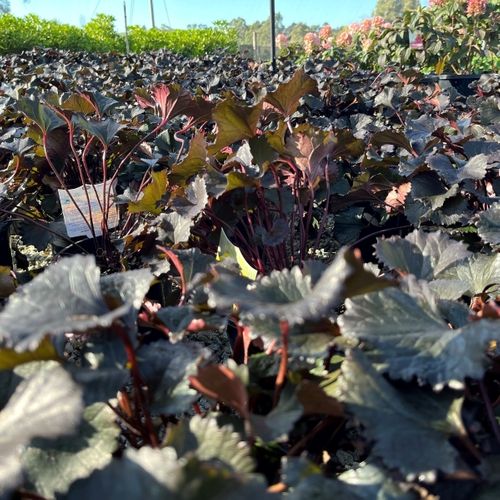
461 83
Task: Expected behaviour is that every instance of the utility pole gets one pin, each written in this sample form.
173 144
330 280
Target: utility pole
151 8
127 46
273 35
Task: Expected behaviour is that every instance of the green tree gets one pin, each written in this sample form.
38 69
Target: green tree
296 31
241 27
391 9
4 6
261 28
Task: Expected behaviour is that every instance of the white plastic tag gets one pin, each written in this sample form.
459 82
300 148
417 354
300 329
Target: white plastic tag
416 40
73 220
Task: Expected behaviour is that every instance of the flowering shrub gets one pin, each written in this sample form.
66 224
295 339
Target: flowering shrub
360 36
311 42
457 37
327 44
344 39
325 32
476 7
282 41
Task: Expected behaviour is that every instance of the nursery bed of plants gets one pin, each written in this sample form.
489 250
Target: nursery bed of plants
100 35
274 284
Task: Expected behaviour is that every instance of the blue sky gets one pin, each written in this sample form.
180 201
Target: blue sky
179 13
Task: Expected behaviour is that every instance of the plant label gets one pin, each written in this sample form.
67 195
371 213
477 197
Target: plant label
89 199
416 40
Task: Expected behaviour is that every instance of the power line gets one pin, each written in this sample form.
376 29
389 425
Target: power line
166 12
95 9
132 12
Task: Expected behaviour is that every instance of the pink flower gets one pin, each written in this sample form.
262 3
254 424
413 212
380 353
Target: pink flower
344 39
326 44
325 32
476 7
366 25
281 40
373 24
437 3
354 28
311 41
378 22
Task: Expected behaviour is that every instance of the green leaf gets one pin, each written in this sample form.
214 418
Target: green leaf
234 122
448 289
306 341
220 383
387 98
237 180
48 404
165 368
66 297
103 369
193 164
195 199
480 273
104 130
489 225
276 425
262 151
194 263
423 127
127 287
276 235
363 280
173 228
427 185
285 99
283 295
79 104
9 358
42 115
227 250
371 481
475 168
176 318
426 255
422 420
411 339
100 385
102 102
151 195
207 441
52 466
388 137
367 482
315 400
157 474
